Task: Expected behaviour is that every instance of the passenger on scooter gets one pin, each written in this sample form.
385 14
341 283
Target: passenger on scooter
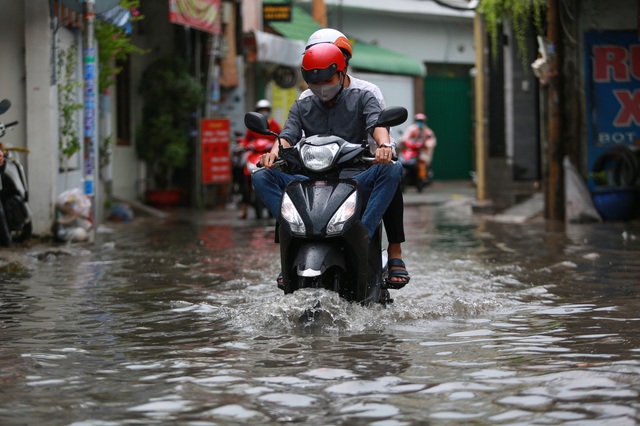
263 106
420 132
346 113
394 216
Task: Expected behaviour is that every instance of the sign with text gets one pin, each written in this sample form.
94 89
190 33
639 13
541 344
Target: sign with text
612 91
203 15
276 12
214 137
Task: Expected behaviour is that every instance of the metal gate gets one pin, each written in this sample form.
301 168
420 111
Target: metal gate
448 106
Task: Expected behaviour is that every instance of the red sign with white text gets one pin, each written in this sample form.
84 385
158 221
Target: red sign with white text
214 137
203 15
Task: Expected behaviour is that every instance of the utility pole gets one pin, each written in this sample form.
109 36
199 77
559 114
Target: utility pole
90 70
554 202
480 109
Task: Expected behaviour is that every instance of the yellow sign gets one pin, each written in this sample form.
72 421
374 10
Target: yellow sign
280 12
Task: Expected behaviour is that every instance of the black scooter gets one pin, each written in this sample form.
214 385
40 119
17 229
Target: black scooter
15 215
323 243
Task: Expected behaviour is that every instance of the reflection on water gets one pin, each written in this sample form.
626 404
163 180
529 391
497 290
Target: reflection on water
180 322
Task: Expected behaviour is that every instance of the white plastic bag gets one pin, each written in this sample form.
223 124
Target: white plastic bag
578 203
73 216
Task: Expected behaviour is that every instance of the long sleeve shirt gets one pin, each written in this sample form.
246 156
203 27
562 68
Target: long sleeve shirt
354 112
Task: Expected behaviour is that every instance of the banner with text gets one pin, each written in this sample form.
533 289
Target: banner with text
203 15
612 91
216 163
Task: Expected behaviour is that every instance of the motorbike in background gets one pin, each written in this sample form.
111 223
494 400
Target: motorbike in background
15 215
247 156
255 150
415 171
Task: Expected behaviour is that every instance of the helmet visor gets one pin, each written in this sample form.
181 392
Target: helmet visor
319 75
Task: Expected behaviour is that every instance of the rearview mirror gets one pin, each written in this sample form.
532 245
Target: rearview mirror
5 105
257 122
392 116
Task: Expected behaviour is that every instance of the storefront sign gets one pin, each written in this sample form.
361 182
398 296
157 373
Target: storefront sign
214 137
612 90
203 15
276 12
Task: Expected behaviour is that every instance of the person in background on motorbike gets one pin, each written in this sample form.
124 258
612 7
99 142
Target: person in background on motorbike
394 216
263 106
346 113
420 132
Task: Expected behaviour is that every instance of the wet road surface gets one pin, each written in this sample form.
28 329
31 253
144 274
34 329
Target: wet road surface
179 321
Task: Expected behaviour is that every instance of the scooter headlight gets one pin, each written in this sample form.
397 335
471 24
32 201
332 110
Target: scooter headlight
318 158
344 213
290 214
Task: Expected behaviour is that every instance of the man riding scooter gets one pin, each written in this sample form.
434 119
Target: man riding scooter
394 216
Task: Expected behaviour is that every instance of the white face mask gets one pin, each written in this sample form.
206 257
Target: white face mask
326 92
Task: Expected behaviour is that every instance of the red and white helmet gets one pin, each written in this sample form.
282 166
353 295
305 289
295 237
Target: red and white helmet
329 35
321 61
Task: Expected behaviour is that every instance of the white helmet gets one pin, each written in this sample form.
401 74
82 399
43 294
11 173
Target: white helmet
263 104
329 35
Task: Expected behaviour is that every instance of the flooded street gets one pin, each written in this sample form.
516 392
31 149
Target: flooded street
179 321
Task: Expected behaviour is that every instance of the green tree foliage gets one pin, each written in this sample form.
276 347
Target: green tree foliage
68 103
519 13
171 95
114 45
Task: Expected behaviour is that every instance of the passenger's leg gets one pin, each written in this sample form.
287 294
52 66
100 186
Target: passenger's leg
380 181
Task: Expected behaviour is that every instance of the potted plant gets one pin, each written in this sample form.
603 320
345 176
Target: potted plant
170 96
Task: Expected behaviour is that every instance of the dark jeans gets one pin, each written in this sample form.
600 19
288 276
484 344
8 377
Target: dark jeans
393 218
377 184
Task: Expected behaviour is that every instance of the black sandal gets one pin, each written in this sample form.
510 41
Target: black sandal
397 273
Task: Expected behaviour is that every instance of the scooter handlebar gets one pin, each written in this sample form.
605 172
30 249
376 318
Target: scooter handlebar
372 159
276 164
4 127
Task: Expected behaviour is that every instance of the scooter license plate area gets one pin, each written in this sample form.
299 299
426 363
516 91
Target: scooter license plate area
317 202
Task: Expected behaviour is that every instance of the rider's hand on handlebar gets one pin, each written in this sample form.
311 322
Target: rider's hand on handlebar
383 155
267 160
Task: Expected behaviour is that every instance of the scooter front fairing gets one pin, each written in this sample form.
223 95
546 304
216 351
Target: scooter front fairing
340 259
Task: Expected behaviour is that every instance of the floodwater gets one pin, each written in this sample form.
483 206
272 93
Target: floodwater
179 321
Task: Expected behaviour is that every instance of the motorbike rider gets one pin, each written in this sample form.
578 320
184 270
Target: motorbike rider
394 216
346 113
263 106
420 132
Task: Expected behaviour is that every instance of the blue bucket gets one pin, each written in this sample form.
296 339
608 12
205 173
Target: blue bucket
616 203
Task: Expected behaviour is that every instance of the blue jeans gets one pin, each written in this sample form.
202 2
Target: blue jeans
377 184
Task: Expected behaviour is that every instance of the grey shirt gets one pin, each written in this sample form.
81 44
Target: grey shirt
353 112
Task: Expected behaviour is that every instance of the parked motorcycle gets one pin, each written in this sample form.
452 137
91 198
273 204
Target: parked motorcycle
15 215
250 158
414 170
323 243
